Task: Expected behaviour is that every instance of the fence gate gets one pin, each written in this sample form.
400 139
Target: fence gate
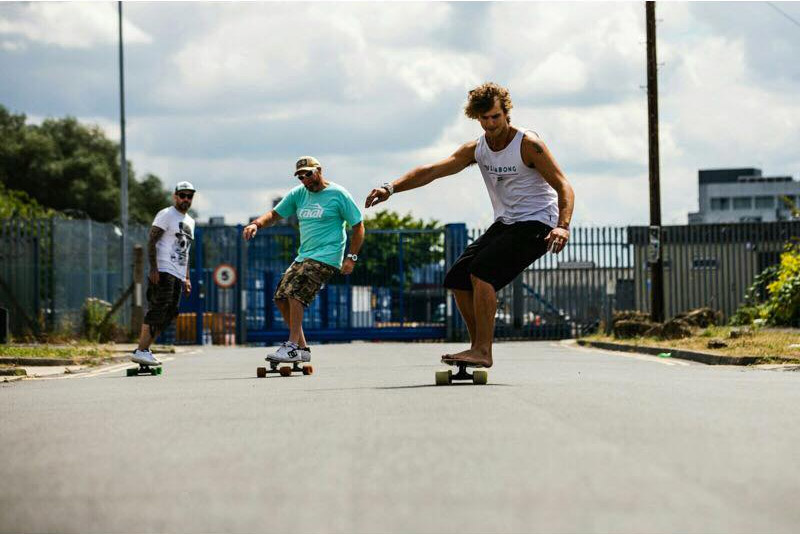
394 293
214 311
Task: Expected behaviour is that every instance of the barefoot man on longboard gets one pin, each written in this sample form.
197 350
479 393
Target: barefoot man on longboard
532 203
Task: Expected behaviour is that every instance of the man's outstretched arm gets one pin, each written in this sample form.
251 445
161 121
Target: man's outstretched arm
268 219
425 174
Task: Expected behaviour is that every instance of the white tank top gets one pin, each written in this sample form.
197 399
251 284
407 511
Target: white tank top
518 193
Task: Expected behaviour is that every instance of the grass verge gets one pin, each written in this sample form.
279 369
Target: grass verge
48 351
768 344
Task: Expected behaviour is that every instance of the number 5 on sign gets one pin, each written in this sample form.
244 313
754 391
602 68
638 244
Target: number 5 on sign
225 275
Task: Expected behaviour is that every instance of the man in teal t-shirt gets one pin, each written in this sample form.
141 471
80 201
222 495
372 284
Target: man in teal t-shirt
323 209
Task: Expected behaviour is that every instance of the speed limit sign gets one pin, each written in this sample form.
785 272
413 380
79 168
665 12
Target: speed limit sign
225 275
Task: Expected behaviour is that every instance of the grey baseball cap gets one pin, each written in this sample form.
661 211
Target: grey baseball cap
184 186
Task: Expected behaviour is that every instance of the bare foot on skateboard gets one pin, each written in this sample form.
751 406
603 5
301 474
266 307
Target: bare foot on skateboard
447 358
476 356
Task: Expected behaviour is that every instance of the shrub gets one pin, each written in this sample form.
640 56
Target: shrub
94 311
774 296
783 306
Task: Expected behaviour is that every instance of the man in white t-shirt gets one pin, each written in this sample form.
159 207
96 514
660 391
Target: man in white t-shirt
168 248
532 202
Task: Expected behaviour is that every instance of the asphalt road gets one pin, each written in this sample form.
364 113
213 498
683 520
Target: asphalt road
562 439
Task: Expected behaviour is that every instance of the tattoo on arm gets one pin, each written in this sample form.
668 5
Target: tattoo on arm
155 235
538 148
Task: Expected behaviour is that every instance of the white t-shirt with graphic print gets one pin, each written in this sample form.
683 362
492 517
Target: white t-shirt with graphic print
172 250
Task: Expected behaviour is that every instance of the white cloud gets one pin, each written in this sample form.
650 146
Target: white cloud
230 93
70 24
559 73
12 46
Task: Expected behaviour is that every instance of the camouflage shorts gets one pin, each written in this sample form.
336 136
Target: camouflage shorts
303 280
163 300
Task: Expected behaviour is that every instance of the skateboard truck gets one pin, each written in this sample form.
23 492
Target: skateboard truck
479 376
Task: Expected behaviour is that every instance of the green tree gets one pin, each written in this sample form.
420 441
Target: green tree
380 258
70 167
18 204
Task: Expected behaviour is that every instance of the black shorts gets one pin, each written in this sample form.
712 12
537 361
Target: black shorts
499 255
163 300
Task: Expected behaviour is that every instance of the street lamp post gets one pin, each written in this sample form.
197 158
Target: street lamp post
123 187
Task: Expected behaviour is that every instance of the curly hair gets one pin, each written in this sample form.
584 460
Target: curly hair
481 99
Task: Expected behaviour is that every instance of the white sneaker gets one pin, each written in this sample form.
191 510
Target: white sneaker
305 354
287 352
144 357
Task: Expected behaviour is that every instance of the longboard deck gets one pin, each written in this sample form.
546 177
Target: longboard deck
285 370
145 370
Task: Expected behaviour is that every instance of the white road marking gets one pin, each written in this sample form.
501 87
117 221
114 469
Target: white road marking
635 356
102 371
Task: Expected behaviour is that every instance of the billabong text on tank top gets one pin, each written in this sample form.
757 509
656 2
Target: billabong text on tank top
501 170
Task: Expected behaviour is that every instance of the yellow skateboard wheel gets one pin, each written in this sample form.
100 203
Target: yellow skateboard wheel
443 378
480 377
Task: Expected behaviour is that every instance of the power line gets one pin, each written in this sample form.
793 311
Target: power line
782 12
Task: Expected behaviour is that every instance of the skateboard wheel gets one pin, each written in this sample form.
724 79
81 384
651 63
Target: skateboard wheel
131 372
443 378
286 371
261 372
308 370
480 377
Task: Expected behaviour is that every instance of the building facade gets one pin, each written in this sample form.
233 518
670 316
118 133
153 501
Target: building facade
743 195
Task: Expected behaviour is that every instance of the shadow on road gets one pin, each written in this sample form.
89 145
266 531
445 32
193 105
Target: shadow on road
435 386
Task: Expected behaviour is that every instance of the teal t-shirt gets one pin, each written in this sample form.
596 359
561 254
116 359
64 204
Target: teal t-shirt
322 218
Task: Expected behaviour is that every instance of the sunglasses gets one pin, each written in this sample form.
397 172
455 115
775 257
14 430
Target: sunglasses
190 196
307 174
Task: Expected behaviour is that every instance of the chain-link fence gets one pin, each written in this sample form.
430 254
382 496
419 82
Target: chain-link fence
49 267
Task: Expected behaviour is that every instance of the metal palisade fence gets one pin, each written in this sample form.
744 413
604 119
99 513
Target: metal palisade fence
48 268
560 296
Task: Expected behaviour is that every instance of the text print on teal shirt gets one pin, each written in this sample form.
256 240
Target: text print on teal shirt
322 218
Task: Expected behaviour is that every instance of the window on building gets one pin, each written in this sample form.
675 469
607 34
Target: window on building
749 219
721 203
742 203
765 202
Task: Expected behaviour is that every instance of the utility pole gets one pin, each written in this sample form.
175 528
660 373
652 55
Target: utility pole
123 186
654 251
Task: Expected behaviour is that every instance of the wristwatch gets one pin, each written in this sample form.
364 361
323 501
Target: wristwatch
353 257
389 187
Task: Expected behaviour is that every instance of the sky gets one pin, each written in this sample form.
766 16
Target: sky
229 95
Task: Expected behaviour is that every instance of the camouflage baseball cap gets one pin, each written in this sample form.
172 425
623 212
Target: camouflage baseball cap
306 163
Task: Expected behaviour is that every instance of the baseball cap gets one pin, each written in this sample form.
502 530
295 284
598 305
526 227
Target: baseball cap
306 163
184 186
